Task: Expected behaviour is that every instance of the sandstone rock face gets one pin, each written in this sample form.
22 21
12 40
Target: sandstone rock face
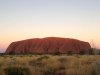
48 45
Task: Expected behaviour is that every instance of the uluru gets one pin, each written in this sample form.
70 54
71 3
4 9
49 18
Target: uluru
48 45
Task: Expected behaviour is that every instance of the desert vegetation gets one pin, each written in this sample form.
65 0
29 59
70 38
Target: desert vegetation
49 65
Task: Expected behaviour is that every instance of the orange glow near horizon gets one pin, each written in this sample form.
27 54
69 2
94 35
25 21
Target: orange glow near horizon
27 19
6 42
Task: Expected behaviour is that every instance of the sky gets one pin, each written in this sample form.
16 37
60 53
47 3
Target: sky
25 19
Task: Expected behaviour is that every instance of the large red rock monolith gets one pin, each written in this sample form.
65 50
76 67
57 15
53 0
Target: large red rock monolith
48 45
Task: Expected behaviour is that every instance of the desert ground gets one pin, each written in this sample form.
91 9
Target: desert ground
49 64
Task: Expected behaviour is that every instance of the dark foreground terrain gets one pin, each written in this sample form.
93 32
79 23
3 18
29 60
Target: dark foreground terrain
49 65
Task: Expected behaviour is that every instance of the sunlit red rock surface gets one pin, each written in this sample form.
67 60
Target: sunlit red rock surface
48 45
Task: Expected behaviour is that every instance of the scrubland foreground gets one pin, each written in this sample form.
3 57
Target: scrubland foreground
49 65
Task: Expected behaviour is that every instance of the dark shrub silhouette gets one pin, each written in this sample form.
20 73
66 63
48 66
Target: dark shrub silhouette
17 71
69 52
91 51
82 52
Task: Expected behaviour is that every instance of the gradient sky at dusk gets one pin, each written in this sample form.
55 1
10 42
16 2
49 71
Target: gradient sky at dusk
24 19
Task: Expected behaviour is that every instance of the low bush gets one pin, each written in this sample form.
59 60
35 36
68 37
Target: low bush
49 71
43 57
17 71
97 68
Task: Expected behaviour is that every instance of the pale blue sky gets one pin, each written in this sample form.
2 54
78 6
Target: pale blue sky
24 19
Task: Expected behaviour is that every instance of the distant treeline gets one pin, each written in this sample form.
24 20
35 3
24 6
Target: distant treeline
92 51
